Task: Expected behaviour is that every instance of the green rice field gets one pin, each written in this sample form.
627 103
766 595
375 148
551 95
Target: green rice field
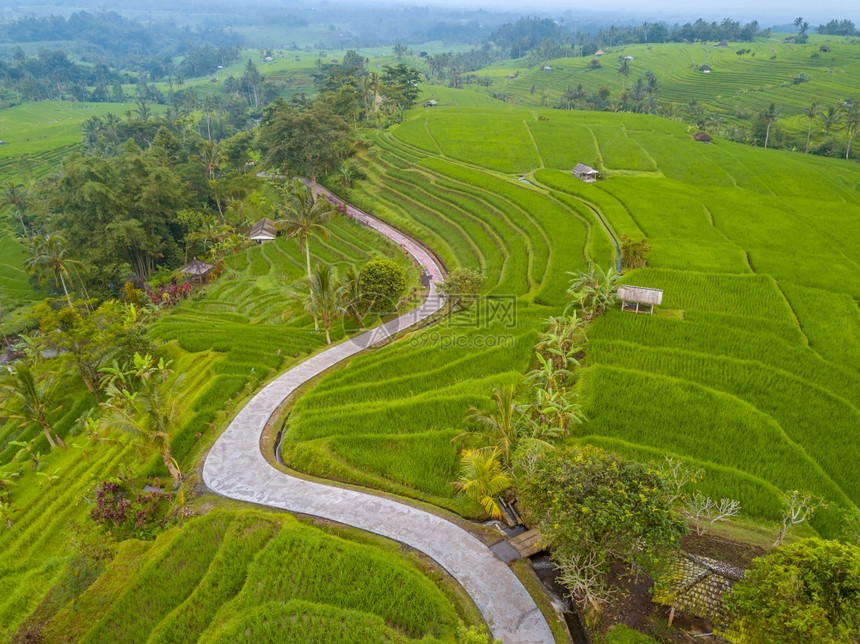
749 370
754 79
260 576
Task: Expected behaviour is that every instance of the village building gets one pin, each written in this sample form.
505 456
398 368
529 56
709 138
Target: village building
585 173
824 49
629 58
547 68
263 231
636 298
705 69
431 103
599 52
197 271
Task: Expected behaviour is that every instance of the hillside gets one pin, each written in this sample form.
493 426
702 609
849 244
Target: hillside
749 370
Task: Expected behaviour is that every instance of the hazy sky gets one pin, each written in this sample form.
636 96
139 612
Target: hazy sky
768 11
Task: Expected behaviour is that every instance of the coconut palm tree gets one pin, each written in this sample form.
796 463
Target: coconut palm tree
301 214
352 296
498 428
326 300
829 118
852 120
15 195
769 117
482 478
30 399
142 400
623 70
48 259
811 113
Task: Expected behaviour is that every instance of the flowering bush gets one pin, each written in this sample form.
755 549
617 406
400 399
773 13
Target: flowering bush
125 514
170 293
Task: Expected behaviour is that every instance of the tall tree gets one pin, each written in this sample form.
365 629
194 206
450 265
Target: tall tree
769 117
325 302
303 142
301 214
15 196
49 259
811 113
142 400
851 116
30 399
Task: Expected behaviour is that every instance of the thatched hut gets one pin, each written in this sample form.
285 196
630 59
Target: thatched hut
702 137
636 298
197 271
263 231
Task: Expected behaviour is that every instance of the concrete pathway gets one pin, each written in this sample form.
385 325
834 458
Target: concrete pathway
236 468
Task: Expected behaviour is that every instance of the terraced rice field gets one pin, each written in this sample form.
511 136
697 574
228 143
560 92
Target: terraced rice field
753 80
749 370
387 418
226 340
260 576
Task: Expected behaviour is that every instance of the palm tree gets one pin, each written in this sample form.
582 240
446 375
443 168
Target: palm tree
810 113
624 71
301 216
852 120
829 118
482 478
30 400
326 301
142 401
209 158
352 296
769 116
15 196
498 428
48 259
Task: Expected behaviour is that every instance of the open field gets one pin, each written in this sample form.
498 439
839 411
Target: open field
750 368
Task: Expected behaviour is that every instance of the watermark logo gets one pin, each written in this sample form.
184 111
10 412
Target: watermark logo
484 312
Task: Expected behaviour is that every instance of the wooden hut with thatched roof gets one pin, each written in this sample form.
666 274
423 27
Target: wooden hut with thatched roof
702 137
585 173
197 271
636 298
263 231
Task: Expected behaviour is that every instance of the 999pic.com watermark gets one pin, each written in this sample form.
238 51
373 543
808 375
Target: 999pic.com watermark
454 341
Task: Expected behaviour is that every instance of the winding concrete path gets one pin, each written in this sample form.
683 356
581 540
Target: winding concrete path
236 468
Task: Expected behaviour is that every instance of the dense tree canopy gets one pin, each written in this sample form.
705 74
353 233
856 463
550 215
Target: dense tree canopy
808 591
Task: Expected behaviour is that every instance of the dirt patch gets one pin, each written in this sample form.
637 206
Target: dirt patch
714 547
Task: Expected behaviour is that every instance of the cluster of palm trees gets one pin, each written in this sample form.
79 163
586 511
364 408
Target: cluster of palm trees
846 116
302 215
549 408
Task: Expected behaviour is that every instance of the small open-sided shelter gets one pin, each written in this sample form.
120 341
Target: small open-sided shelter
599 52
705 69
702 137
431 103
585 173
636 298
263 231
197 270
824 48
